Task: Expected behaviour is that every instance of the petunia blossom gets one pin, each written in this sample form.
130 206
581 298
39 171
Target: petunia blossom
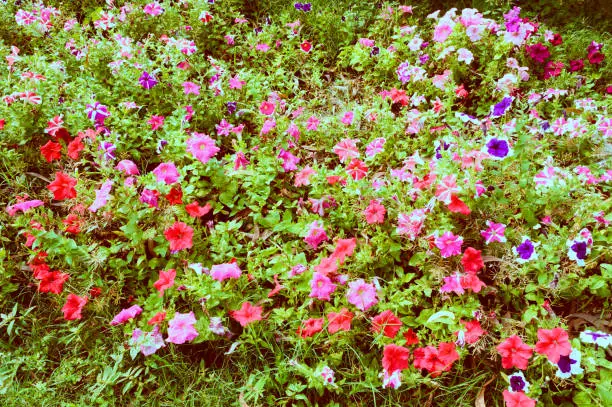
222 272
165 281
362 294
247 314
126 314
202 147
181 328
73 307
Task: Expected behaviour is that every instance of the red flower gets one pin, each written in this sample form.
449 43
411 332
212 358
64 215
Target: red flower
472 260
340 321
344 249
310 327
473 331
517 399
95 292
306 46
447 353
553 343
458 206
52 282
73 307
596 58
175 196
556 39
357 169
195 210
180 236
165 281
2 123
514 353
387 322
247 313
63 187
411 337
73 223
395 358
75 147
51 151
157 318
472 282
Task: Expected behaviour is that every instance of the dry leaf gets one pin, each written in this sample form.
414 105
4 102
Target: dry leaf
480 399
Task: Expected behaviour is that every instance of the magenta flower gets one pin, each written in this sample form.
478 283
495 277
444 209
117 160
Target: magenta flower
97 112
494 233
127 167
316 235
147 81
153 9
289 160
202 147
321 287
449 244
181 328
23 206
221 272
126 314
149 197
191 88
362 294
156 122
452 284
167 173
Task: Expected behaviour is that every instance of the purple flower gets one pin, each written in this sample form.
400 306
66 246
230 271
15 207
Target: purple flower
518 382
97 112
147 81
526 250
306 7
108 150
231 107
500 108
498 148
298 6
423 59
581 250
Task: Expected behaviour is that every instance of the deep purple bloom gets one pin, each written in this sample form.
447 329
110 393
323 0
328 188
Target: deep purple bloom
375 51
306 7
525 249
513 20
423 59
565 364
517 383
580 248
160 145
231 107
298 6
97 112
497 147
425 45
500 108
545 125
147 81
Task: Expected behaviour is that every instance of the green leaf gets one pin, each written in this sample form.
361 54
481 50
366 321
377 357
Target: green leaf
443 317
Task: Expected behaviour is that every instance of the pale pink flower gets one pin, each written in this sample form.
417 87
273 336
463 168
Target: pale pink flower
376 146
262 47
346 149
102 196
127 167
449 244
221 272
202 147
181 328
442 32
447 188
361 294
167 173
236 83
302 177
316 235
347 118
411 224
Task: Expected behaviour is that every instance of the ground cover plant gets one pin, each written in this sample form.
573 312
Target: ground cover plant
235 203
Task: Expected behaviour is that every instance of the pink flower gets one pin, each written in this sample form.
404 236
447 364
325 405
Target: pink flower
262 47
446 189
167 173
165 281
221 272
514 353
517 399
452 284
442 32
23 206
181 328
290 161
102 196
346 149
375 212
240 161
316 235
411 224
321 287
73 307
126 314
127 167
153 9
202 147
191 88
267 108
247 313
449 244
362 294
302 177
357 169
347 118
553 343
376 146
180 236
494 233
236 83
156 122
312 123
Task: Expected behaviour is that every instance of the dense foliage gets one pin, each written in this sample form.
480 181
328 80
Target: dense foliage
327 203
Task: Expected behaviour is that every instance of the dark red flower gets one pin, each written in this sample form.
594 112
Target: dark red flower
95 292
538 52
175 196
596 58
62 187
395 358
556 39
51 151
411 337
157 318
576 65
